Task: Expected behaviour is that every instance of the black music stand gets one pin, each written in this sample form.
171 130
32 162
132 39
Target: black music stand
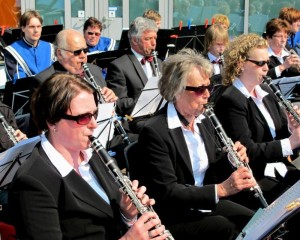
13 158
17 95
289 87
102 59
190 37
163 39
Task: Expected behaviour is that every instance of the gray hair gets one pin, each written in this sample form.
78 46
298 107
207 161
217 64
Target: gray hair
175 71
140 25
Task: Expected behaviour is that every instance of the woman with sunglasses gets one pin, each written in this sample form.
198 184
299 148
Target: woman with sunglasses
178 153
282 62
63 190
250 113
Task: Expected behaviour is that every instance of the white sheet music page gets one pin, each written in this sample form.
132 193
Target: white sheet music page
150 99
266 220
105 130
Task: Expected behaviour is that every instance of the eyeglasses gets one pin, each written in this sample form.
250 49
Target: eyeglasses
281 36
259 63
199 90
81 119
77 52
97 34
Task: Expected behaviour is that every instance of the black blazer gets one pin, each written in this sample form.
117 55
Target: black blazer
126 77
45 205
163 165
274 62
243 122
56 67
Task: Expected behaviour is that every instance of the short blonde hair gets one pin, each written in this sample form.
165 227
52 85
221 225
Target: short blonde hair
222 19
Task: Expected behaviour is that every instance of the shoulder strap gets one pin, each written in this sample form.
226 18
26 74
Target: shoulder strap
19 59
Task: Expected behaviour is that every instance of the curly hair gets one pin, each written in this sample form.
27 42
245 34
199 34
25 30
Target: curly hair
236 54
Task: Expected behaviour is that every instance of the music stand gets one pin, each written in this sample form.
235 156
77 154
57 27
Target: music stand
289 87
149 101
267 220
102 59
105 129
17 95
163 39
13 158
190 37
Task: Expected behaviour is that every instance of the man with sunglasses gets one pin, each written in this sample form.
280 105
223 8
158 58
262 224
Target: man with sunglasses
92 30
71 52
179 158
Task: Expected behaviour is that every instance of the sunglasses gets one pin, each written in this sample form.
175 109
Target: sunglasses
77 52
199 90
94 33
81 119
259 63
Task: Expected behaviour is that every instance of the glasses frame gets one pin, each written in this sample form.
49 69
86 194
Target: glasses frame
258 63
81 119
94 33
200 89
77 52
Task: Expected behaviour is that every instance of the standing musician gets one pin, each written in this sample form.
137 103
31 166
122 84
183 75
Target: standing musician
63 190
128 75
250 113
179 155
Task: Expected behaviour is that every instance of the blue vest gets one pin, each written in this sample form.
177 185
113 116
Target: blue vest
104 44
37 58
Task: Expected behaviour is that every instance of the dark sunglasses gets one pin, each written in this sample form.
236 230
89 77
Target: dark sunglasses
259 63
199 90
77 52
94 33
81 119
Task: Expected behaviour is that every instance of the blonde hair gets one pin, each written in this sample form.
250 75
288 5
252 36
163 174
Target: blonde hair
222 19
237 53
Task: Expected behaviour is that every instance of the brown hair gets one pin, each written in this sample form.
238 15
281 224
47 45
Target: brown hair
289 14
53 98
26 16
277 25
92 22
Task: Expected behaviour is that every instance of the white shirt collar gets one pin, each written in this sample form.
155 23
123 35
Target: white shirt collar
59 162
173 119
138 56
241 87
283 53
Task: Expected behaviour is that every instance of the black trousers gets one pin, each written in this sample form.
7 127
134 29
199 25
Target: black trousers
225 223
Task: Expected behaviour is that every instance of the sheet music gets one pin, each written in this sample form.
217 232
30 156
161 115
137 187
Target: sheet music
105 130
150 99
19 152
266 220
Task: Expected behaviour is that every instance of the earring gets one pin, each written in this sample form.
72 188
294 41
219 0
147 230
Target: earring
54 130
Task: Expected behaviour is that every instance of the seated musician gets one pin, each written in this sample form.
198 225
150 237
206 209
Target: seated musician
29 55
282 62
178 154
128 75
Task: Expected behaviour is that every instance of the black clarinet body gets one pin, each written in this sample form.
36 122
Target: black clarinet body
8 129
155 61
281 99
122 180
233 156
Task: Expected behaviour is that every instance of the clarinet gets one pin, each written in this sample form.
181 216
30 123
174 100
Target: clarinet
281 99
156 68
233 156
8 129
122 180
92 82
